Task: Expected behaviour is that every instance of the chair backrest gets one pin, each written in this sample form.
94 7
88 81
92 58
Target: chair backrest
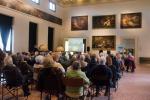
101 76
73 82
13 76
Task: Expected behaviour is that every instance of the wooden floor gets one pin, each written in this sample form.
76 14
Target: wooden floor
132 86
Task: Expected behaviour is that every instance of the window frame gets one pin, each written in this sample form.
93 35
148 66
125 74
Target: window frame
52 4
36 2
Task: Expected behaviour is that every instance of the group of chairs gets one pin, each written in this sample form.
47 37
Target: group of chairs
53 84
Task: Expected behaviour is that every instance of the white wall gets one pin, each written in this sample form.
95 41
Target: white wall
21 26
141 35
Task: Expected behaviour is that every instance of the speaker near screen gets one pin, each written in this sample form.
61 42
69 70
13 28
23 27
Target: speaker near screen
88 49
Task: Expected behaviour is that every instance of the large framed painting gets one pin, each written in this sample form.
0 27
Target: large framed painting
79 23
104 42
105 21
131 20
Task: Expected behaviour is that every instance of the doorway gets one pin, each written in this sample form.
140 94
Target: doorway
50 38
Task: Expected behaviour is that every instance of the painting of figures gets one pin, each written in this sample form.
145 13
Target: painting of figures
105 21
131 20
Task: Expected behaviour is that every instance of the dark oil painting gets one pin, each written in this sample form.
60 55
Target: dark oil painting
104 42
131 20
79 23
105 21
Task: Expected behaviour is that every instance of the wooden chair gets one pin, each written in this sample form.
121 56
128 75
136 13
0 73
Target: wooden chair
74 83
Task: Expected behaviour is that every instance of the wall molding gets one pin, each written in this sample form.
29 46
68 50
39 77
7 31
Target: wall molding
27 9
144 60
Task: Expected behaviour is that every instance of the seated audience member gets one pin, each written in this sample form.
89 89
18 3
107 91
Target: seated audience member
20 78
130 62
39 61
83 63
113 69
27 58
87 58
33 56
101 70
27 72
64 61
120 61
73 58
93 63
76 73
56 57
15 58
116 63
54 73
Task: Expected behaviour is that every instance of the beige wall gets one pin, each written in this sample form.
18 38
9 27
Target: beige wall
21 26
141 35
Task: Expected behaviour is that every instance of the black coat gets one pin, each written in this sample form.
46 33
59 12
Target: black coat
101 75
12 75
50 79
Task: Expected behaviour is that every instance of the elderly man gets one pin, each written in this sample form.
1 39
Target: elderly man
101 76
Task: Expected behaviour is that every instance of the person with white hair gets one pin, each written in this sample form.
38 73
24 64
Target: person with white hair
101 69
17 74
102 60
82 62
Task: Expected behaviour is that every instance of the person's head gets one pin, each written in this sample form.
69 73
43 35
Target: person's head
20 57
56 56
108 52
118 55
93 58
48 61
102 61
8 60
100 51
130 54
109 60
76 65
39 59
36 53
82 57
74 58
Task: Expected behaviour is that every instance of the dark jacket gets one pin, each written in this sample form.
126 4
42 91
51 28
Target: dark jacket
25 68
50 79
114 72
101 75
90 68
12 75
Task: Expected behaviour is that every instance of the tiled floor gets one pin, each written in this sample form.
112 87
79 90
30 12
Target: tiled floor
132 86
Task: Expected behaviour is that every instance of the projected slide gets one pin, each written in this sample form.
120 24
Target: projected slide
74 44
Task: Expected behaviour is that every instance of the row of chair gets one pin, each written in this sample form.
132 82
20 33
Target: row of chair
52 85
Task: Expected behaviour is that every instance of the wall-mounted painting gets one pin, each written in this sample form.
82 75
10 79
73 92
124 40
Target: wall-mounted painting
79 23
105 21
104 42
131 20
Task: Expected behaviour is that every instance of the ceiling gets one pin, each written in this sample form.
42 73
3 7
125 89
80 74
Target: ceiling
67 3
